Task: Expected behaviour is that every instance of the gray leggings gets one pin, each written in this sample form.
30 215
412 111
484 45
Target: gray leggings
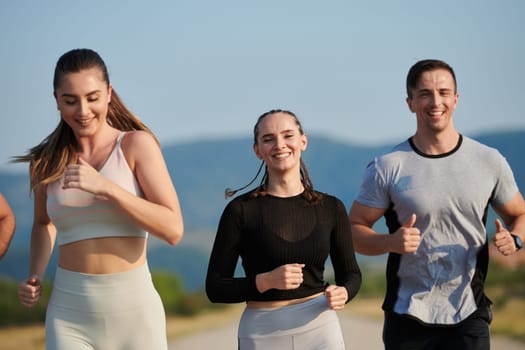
306 326
113 311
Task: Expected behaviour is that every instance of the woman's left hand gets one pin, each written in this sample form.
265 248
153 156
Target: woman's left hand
336 297
84 177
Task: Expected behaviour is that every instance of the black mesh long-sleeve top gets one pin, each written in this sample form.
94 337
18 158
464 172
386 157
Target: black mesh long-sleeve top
267 232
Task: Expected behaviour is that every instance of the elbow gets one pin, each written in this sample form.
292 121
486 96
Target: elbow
356 238
358 247
176 232
215 290
173 241
175 238
6 240
210 292
212 297
360 243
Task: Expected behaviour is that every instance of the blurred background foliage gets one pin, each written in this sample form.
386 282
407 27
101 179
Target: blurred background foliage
177 301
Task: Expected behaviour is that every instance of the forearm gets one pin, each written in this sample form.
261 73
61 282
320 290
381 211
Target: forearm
159 220
347 272
352 284
518 227
42 243
369 242
229 290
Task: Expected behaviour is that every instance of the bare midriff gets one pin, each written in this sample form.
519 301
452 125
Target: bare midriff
103 255
279 303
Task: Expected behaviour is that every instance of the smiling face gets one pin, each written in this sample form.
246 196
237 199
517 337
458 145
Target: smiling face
280 142
82 99
433 100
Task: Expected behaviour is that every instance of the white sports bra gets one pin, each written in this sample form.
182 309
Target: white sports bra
79 215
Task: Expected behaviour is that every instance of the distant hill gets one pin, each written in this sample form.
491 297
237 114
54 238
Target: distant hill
201 170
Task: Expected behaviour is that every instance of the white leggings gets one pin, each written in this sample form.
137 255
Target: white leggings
306 326
111 311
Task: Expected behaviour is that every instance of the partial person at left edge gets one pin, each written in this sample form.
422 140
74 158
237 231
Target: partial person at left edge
7 225
100 186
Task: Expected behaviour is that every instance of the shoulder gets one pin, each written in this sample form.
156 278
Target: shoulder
140 147
237 208
401 149
326 197
240 200
393 157
139 144
476 149
245 199
138 138
330 201
476 145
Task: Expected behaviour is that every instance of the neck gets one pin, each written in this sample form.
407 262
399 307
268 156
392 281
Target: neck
437 143
91 144
285 187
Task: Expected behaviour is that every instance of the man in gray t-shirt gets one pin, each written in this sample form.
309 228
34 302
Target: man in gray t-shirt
434 191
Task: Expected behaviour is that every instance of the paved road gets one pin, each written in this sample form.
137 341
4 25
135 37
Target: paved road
359 333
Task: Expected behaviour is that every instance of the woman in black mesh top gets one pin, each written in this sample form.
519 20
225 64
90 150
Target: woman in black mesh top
284 231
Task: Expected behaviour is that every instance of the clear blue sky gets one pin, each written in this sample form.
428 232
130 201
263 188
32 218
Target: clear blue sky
207 69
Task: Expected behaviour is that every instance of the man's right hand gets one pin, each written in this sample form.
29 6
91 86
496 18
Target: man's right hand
406 239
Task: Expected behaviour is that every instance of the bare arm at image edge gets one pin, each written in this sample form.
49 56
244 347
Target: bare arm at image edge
7 225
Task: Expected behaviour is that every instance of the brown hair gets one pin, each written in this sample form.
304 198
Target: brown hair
424 66
310 194
49 158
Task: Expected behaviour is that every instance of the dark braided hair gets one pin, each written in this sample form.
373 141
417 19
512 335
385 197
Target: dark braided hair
310 194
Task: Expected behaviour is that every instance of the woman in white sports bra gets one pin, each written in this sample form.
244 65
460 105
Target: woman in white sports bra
100 185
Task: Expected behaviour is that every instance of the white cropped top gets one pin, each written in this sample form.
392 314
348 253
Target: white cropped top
79 215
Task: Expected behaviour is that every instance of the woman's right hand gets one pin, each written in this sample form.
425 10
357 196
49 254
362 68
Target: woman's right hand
289 276
30 291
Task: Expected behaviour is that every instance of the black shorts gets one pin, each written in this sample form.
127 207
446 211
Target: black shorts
406 333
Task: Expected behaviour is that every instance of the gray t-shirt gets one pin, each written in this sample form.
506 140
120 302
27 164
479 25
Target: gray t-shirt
442 282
